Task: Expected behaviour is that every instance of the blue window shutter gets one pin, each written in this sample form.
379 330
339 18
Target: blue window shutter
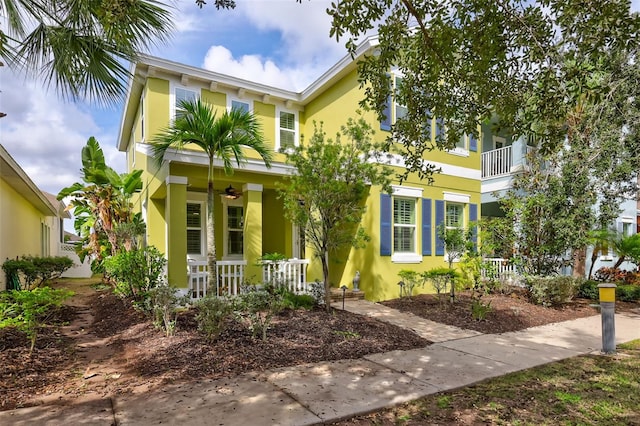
386 123
473 217
385 225
473 143
426 226
439 129
439 222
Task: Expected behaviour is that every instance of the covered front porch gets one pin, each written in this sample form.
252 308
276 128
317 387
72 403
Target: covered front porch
249 222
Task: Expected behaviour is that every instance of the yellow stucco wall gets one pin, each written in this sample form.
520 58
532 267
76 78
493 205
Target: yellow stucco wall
20 227
332 108
378 273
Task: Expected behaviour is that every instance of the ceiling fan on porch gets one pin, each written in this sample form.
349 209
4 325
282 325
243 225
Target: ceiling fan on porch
231 193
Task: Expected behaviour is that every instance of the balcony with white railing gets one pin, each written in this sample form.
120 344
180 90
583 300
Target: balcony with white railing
500 165
231 276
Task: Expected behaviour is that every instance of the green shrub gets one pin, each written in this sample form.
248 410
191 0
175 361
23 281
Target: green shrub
441 277
410 280
297 301
480 310
257 306
588 289
165 303
28 310
551 291
33 271
628 293
213 315
136 272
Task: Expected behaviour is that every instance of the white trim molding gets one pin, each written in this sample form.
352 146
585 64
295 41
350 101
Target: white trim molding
406 191
406 258
257 187
445 169
180 180
456 198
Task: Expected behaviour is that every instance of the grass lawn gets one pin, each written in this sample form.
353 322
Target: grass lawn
585 390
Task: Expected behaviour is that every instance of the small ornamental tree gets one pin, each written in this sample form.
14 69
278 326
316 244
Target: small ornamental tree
326 194
457 242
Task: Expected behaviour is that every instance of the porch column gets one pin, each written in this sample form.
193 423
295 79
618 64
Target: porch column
252 229
176 220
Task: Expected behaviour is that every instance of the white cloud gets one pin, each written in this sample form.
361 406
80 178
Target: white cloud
299 53
304 26
45 135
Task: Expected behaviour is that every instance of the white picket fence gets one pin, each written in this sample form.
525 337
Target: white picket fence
503 270
292 272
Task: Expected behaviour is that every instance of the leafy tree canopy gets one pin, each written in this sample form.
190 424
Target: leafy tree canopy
81 47
469 61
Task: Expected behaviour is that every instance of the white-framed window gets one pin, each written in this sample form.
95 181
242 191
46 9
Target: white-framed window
233 228
454 215
398 110
195 229
404 220
182 94
287 129
238 104
404 225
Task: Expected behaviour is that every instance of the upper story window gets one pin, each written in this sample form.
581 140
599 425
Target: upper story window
180 95
241 105
393 109
287 136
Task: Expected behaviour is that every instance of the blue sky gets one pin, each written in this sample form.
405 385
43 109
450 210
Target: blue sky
278 42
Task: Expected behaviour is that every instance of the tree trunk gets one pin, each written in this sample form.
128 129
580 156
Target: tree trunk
327 287
212 272
579 262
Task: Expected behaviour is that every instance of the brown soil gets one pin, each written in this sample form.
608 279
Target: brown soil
110 348
510 312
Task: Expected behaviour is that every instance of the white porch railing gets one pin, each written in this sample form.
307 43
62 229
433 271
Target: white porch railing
230 277
292 272
497 162
503 270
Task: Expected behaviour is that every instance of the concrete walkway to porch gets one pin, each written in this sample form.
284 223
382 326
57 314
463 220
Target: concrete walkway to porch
329 391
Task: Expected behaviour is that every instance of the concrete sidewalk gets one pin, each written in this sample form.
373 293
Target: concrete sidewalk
329 391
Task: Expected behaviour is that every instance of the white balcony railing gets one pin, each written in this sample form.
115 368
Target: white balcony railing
292 272
497 162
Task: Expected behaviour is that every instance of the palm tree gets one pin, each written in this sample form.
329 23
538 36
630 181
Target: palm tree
224 138
627 247
81 46
601 239
102 201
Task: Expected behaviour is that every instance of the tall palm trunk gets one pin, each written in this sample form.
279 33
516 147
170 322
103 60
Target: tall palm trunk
212 271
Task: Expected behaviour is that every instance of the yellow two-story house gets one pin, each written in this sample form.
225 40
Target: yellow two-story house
250 220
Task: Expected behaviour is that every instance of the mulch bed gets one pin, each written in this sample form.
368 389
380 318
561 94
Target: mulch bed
24 375
511 312
146 358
